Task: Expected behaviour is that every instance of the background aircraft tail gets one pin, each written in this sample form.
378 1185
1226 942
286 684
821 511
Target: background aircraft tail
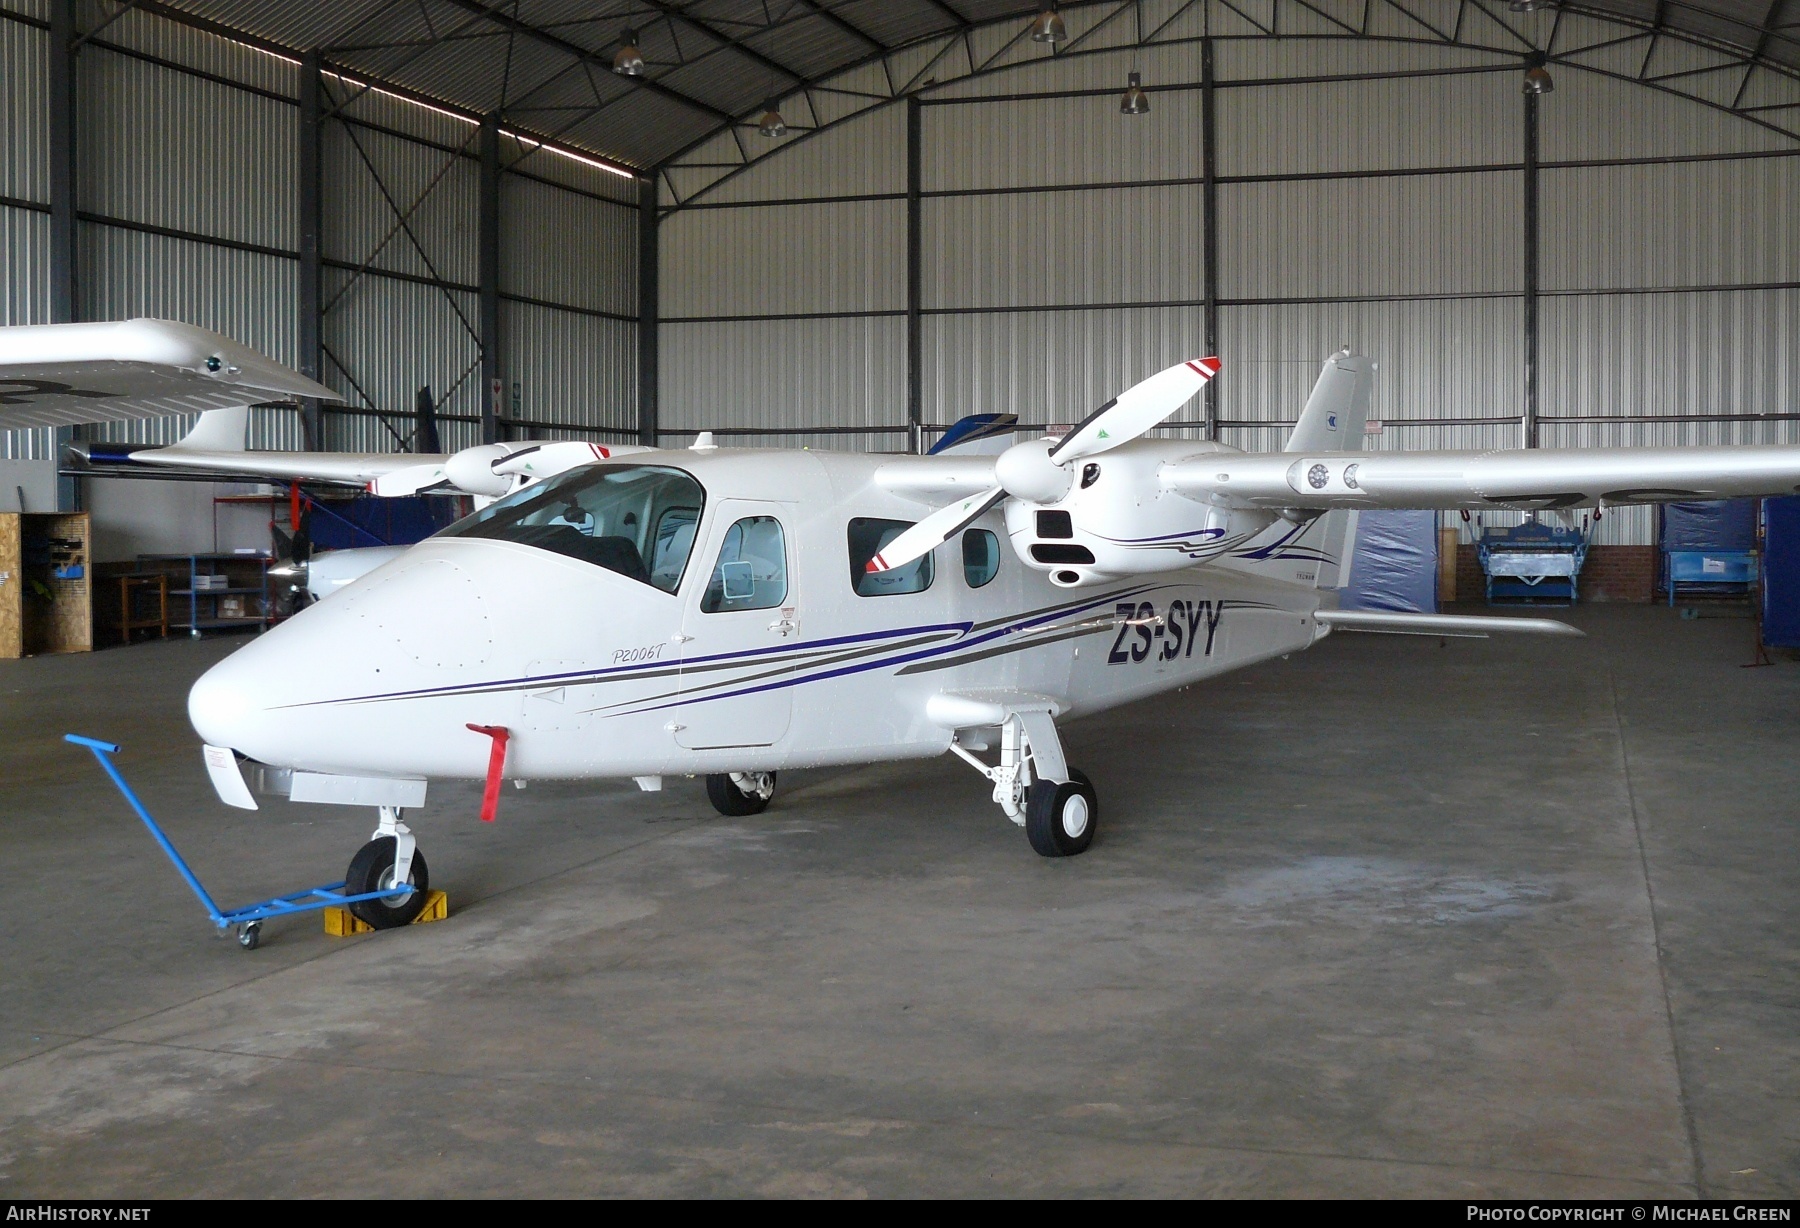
218 430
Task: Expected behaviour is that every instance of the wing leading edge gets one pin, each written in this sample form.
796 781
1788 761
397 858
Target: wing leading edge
1526 480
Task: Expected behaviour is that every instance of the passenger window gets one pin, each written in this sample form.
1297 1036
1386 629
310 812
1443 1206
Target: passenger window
981 557
867 536
751 573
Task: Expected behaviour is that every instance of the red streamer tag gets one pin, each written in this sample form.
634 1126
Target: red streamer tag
490 797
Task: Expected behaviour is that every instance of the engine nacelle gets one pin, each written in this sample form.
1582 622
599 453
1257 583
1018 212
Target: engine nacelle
1116 520
472 470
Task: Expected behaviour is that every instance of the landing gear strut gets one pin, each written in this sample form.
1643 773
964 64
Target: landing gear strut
392 857
1034 786
736 794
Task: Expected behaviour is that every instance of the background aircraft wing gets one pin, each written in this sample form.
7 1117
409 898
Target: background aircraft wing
214 447
1528 480
69 374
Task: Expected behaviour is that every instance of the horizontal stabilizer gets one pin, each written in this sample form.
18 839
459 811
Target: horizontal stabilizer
70 374
1393 622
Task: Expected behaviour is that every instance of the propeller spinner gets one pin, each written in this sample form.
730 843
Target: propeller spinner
1042 472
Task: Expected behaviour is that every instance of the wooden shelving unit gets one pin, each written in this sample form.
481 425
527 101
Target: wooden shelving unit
46 603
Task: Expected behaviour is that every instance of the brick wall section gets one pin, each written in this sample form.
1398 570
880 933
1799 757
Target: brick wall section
1620 573
1611 573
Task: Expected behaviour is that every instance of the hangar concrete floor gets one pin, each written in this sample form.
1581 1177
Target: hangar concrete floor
1389 918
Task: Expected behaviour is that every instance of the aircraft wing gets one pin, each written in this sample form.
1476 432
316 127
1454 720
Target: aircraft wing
69 374
936 479
1526 480
335 468
215 446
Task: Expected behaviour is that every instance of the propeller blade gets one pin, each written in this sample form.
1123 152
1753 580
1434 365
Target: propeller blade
1135 410
934 531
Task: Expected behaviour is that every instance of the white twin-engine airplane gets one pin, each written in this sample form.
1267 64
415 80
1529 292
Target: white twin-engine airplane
731 613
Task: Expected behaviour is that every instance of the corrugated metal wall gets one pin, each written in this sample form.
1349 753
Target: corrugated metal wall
24 177
1062 250
187 146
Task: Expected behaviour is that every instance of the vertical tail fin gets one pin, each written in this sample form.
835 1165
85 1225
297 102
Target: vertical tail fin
1338 407
218 430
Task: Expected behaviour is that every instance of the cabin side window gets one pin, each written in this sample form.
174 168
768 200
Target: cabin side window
981 557
867 536
751 573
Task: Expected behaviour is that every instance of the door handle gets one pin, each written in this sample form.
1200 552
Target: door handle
784 625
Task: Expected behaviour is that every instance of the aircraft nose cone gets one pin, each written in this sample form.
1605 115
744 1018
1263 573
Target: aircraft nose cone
220 702
369 680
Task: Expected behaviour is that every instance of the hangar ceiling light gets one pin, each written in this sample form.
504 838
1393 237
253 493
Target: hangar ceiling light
1527 6
1537 77
1135 101
772 124
1047 26
629 62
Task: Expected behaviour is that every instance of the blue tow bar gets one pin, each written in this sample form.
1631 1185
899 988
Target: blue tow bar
248 918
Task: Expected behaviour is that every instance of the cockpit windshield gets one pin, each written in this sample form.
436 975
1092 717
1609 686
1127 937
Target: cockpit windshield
637 520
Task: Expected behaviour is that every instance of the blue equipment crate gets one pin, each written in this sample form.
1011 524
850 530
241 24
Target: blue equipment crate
1709 571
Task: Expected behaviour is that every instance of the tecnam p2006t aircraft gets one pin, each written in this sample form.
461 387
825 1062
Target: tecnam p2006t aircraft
732 613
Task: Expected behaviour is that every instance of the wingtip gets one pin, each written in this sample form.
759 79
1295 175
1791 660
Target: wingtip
1207 367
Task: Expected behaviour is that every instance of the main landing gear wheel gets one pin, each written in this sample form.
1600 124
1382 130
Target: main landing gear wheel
1060 817
372 869
736 794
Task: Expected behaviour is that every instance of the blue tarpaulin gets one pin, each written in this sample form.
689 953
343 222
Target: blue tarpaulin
342 524
1395 565
1722 524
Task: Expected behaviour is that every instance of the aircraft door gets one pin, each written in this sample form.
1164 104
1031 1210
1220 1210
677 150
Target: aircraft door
742 627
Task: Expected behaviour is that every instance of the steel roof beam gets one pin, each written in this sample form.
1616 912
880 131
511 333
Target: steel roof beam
514 25
675 13
846 26
962 23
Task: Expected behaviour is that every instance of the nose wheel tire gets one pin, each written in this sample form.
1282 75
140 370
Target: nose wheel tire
1060 817
736 794
372 869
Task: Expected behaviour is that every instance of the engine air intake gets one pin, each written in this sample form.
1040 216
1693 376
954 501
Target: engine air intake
1061 554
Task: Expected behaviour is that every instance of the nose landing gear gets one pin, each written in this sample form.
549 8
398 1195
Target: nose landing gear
736 794
391 858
